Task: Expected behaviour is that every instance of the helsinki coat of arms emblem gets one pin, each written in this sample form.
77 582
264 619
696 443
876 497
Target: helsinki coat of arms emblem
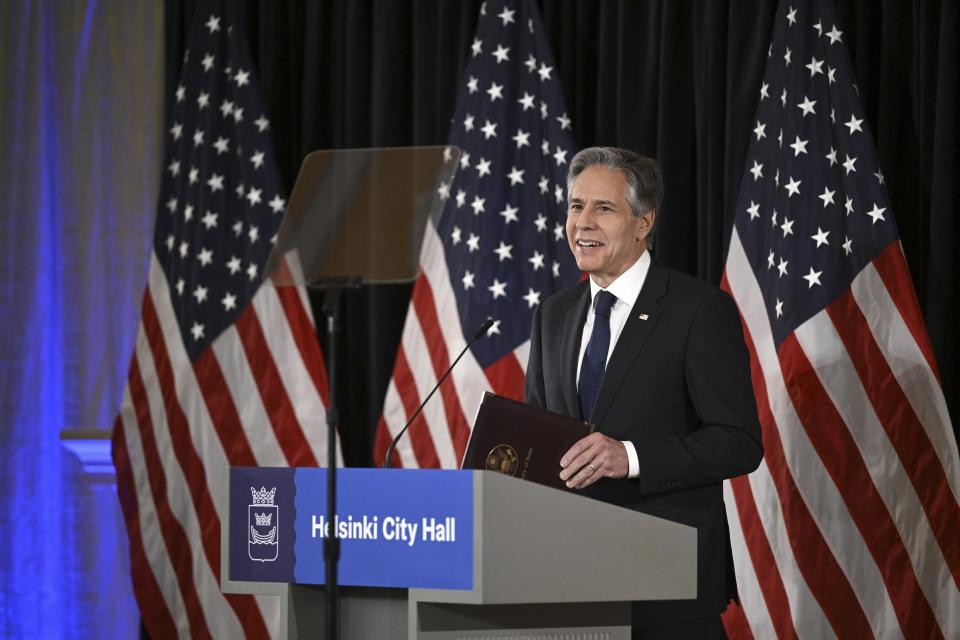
263 521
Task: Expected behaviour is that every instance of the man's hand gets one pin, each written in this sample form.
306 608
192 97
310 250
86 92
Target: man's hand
592 458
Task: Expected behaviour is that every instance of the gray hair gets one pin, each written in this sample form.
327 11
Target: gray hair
644 181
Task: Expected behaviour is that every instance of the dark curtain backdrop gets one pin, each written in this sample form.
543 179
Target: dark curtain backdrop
675 79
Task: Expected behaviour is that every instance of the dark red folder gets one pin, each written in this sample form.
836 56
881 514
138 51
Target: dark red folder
520 440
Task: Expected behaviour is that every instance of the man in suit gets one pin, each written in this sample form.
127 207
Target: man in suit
656 359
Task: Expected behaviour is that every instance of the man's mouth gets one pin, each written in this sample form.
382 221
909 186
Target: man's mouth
588 244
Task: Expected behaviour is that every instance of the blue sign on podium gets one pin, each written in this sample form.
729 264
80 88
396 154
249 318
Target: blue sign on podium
397 527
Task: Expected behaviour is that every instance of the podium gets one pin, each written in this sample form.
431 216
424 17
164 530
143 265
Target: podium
448 554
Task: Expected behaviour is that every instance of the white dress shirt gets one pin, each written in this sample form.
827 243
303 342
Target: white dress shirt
626 289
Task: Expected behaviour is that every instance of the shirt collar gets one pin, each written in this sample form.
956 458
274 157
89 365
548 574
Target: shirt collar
627 286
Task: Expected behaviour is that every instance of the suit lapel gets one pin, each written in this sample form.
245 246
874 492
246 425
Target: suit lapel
570 349
643 318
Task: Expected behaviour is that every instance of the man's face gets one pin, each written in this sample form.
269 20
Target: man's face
602 232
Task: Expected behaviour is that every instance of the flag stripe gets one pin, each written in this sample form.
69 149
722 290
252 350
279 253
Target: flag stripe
213 386
242 387
423 378
904 430
382 440
874 452
761 555
828 434
522 354
735 620
252 612
288 271
182 446
177 546
278 406
436 347
154 610
506 376
154 545
391 421
418 434
304 333
298 382
206 571
892 268
178 430
902 353
182 386
400 402
815 559
469 378
807 614
803 610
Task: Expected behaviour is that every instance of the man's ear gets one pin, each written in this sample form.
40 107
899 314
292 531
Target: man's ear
646 224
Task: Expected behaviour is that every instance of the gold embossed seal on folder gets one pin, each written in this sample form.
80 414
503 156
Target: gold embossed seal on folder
504 459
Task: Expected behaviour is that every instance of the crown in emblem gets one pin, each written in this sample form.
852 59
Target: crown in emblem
263 496
263 519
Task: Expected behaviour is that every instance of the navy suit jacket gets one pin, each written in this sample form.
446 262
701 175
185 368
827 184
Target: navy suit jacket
677 385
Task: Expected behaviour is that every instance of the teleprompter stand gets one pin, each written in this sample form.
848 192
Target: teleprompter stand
355 217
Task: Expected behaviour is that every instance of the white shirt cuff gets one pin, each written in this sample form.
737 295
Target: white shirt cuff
632 459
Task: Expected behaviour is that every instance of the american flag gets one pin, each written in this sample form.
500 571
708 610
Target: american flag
226 371
849 527
498 247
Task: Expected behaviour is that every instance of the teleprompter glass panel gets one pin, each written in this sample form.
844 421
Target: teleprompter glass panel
358 215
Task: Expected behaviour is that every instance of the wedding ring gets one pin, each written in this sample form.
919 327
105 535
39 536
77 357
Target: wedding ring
593 469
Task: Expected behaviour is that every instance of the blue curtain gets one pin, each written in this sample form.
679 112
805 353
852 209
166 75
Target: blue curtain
80 136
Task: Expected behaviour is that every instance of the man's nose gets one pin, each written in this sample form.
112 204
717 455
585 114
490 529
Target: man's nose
587 218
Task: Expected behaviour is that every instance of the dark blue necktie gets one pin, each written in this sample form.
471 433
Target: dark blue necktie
595 357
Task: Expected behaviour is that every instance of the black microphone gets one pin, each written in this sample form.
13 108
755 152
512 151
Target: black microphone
479 333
